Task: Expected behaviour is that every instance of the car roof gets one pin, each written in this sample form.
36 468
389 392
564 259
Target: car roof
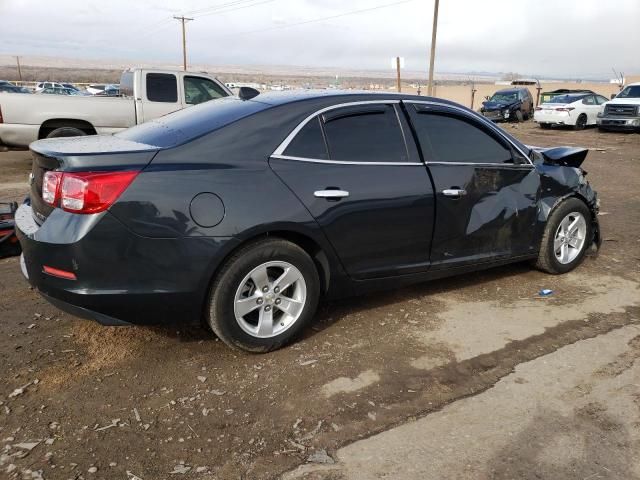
291 96
510 90
568 90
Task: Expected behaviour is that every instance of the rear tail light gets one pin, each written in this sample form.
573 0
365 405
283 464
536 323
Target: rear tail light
85 192
538 108
565 109
1 119
51 187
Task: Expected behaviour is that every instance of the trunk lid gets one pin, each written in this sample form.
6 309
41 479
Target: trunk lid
94 153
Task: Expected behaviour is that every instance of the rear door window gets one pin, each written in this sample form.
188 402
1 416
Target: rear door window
162 87
448 138
309 142
367 133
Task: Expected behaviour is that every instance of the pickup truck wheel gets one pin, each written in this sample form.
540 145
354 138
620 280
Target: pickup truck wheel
66 132
519 116
264 296
566 237
581 122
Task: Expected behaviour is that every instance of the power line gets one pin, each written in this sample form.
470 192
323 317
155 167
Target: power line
236 8
219 6
320 19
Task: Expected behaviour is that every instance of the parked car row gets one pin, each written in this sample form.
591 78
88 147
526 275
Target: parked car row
576 108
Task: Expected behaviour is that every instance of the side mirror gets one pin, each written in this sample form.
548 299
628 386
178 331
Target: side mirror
613 95
486 97
247 93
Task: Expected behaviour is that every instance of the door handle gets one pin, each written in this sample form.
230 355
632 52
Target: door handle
331 194
454 192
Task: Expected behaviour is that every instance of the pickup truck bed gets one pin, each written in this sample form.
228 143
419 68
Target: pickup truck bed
93 115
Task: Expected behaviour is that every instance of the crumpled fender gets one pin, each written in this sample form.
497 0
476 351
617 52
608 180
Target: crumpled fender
560 178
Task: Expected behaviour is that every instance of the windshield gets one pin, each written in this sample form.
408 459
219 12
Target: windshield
504 97
566 98
632 91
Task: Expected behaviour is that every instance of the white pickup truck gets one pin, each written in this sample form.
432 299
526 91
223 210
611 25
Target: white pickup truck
145 94
623 111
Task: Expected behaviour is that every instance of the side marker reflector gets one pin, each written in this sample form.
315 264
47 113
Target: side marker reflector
56 272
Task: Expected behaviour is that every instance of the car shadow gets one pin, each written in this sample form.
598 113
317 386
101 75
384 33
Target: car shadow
331 312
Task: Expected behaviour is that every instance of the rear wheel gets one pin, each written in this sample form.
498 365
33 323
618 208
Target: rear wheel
581 122
66 132
264 296
566 237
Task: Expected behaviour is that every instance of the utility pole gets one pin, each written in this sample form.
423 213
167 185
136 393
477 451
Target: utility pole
19 69
184 19
398 74
433 47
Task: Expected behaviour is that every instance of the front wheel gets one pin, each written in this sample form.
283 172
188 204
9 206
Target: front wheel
519 116
566 237
264 296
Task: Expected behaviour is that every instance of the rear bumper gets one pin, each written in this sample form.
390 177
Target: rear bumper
121 278
553 118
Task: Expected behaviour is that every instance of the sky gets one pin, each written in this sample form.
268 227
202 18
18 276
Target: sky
563 38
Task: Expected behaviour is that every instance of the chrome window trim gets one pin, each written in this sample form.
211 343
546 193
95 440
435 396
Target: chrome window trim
345 162
285 143
507 165
279 152
482 120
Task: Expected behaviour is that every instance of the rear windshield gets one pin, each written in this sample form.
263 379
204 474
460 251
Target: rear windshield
566 98
192 122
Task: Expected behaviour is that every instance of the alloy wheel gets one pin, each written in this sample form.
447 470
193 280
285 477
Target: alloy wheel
270 299
570 238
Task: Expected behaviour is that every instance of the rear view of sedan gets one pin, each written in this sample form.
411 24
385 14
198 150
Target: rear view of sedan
578 110
243 214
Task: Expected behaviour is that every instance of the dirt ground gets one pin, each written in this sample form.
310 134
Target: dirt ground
508 384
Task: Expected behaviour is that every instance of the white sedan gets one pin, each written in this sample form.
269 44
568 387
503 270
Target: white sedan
576 109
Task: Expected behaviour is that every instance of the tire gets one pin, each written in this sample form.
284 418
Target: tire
234 289
66 132
519 116
581 122
567 211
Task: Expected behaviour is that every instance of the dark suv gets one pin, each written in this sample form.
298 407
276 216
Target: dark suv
510 104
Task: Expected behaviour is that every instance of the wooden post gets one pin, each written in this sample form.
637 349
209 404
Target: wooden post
19 69
398 74
473 93
432 58
184 19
